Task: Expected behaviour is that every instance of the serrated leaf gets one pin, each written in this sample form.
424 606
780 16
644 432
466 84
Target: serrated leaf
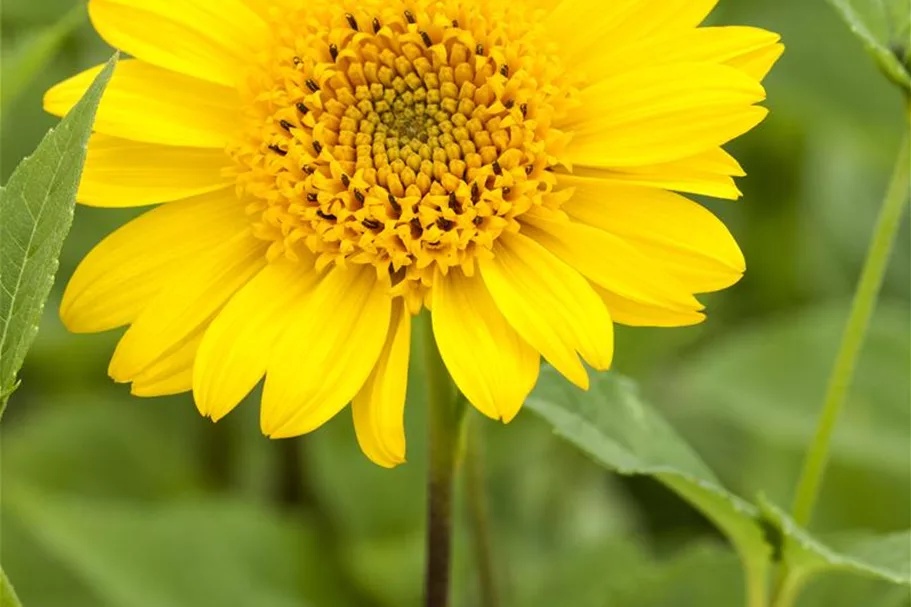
881 556
618 430
883 26
32 56
36 211
8 596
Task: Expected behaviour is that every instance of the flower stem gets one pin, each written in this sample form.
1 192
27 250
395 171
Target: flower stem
444 421
862 308
480 525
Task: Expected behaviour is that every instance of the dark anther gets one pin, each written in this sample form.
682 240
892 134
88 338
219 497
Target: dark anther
303 109
308 169
278 150
313 86
351 21
333 52
497 169
296 61
345 180
416 229
454 203
509 103
455 23
376 25
479 49
317 147
395 204
445 224
524 108
475 192
433 244
529 169
327 216
504 70
359 196
409 17
372 224
426 38
506 192
478 220
285 125
311 197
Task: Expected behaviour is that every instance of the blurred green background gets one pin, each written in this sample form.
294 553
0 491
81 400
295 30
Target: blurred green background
114 501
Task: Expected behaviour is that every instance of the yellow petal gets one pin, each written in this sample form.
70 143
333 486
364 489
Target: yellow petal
636 314
708 173
663 113
689 243
238 344
126 270
379 407
550 305
737 46
124 173
587 29
751 50
170 374
208 39
327 353
147 103
187 304
490 363
610 262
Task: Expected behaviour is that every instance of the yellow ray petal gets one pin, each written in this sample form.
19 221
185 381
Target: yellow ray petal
636 314
737 46
751 50
708 173
550 305
124 173
170 374
610 262
664 113
126 270
379 407
490 363
588 29
208 39
154 105
188 303
689 243
238 344
328 352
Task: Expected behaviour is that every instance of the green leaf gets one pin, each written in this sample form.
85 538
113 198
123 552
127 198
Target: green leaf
36 208
8 596
883 26
885 556
34 55
221 552
612 424
753 430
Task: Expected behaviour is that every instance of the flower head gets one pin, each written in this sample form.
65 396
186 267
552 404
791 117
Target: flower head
326 170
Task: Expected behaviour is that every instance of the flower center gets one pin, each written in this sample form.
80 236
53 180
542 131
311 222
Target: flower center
408 137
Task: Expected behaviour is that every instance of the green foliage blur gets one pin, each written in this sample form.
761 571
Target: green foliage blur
114 501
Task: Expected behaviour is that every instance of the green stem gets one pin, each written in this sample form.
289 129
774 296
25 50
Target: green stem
480 525
445 413
852 339
789 589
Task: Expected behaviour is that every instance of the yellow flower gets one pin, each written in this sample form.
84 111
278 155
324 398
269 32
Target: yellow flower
327 169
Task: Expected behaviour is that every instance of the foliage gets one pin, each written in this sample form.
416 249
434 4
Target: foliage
112 501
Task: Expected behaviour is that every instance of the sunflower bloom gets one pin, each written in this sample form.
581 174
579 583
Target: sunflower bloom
325 170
